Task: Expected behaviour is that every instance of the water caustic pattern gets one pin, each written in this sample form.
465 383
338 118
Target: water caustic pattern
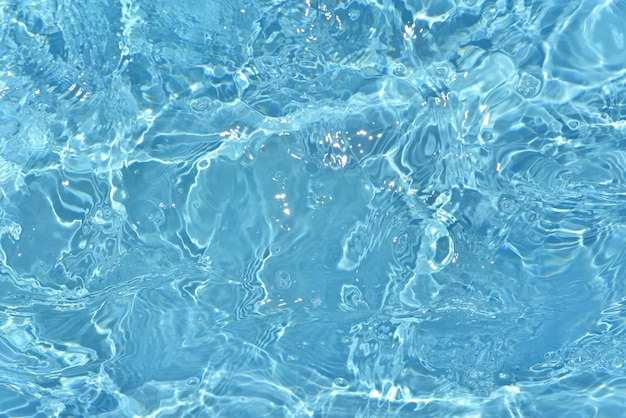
312 209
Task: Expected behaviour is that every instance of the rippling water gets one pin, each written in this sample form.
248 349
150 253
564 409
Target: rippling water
328 209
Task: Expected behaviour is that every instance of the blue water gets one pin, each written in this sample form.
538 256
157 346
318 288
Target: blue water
312 209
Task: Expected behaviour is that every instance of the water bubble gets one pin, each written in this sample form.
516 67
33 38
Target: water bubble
292 357
341 383
436 245
192 381
490 12
401 244
399 70
352 299
200 104
487 135
354 13
529 86
311 168
573 124
507 204
282 279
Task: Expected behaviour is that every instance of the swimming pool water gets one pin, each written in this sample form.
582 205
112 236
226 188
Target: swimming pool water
377 208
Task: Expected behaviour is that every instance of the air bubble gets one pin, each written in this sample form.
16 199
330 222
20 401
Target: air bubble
487 136
573 124
401 245
203 164
352 299
490 12
192 381
311 168
399 70
200 104
507 204
436 245
275 249
529 86
354 13
346 340
282 279
341 383
555 126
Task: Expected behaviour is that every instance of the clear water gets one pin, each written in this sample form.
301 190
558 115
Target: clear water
303 208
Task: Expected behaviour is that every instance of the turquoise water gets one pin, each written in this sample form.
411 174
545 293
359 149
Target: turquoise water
312 209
